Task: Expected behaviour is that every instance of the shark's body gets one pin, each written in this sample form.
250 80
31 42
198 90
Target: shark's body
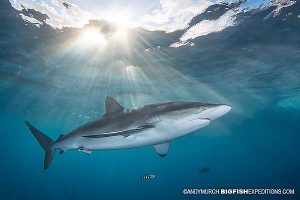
154 124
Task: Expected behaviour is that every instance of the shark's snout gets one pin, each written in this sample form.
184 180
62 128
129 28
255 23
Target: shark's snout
218 111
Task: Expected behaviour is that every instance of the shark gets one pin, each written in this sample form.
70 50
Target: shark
119 128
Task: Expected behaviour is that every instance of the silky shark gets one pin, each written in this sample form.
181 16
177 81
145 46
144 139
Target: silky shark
150 125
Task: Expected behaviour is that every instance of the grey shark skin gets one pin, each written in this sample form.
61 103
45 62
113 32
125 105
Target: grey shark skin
119 128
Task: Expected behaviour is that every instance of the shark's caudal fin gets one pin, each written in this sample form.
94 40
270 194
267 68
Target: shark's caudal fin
45 143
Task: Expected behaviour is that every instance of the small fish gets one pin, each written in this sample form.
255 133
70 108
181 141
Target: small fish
204 170
148 177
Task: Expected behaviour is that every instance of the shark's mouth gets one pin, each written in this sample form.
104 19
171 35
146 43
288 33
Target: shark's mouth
199 122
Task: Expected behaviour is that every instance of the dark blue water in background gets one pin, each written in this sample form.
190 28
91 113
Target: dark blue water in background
254 67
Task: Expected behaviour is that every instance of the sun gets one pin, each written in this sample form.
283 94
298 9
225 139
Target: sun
121 33
92 37
122 24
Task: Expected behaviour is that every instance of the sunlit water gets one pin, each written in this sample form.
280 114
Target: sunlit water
58 84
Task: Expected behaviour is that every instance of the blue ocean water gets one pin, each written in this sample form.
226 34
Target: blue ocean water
58 86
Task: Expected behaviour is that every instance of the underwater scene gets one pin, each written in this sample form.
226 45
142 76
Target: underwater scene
149 99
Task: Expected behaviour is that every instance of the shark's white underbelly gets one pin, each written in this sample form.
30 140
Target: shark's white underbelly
163 132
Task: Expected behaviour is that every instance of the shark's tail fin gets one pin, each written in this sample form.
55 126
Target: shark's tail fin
45 143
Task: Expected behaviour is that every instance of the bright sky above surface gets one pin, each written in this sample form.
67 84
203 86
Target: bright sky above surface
165 15
168 15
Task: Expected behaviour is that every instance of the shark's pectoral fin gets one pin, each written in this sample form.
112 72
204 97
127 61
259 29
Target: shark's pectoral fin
162 149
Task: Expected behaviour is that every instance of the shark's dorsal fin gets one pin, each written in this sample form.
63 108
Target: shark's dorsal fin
112 106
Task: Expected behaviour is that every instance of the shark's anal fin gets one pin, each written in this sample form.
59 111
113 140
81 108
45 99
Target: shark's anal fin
162 149
84 150
112 106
